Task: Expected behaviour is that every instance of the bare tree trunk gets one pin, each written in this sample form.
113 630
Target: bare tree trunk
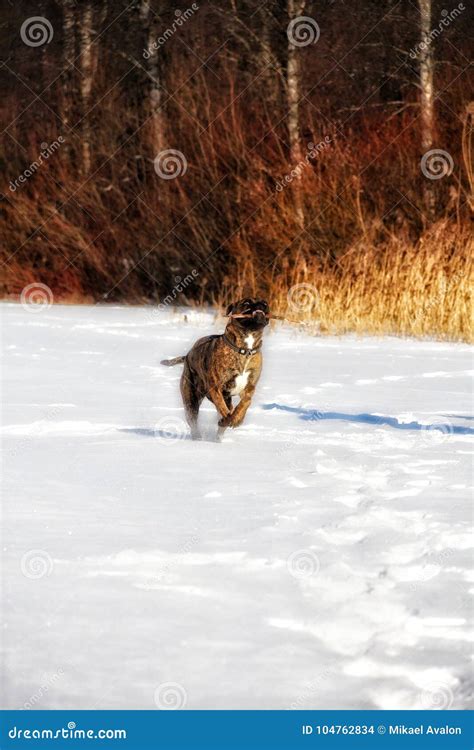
295 9
267 60
69 51
43 52
86 59
155 94
427 94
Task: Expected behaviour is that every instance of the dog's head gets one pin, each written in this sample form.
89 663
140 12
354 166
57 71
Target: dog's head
249 314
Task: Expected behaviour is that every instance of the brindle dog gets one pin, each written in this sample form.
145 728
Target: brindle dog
221 366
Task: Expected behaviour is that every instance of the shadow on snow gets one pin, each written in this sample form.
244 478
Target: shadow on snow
314 415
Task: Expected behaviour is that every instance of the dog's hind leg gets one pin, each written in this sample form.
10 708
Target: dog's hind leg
191 400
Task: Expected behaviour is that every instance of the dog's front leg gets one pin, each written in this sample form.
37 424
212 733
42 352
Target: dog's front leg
238 415
217 398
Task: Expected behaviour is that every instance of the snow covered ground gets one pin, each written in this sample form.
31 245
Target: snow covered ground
318 558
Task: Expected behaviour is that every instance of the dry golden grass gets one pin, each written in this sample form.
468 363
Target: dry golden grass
422 290
351 230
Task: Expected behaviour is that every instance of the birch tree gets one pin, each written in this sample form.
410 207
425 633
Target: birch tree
86 66
426 93
91 19
426 76
295 9
154 92
68 55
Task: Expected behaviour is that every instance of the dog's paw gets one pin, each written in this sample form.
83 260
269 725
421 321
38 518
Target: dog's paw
225 421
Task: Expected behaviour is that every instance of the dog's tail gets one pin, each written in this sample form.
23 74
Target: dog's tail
174 361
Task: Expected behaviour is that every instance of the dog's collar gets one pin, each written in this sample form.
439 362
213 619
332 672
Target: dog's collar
240 350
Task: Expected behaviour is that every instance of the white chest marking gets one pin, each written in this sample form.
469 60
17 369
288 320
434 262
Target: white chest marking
241 380
240 383
249 341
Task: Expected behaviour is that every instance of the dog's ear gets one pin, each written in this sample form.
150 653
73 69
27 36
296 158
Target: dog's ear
230 309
